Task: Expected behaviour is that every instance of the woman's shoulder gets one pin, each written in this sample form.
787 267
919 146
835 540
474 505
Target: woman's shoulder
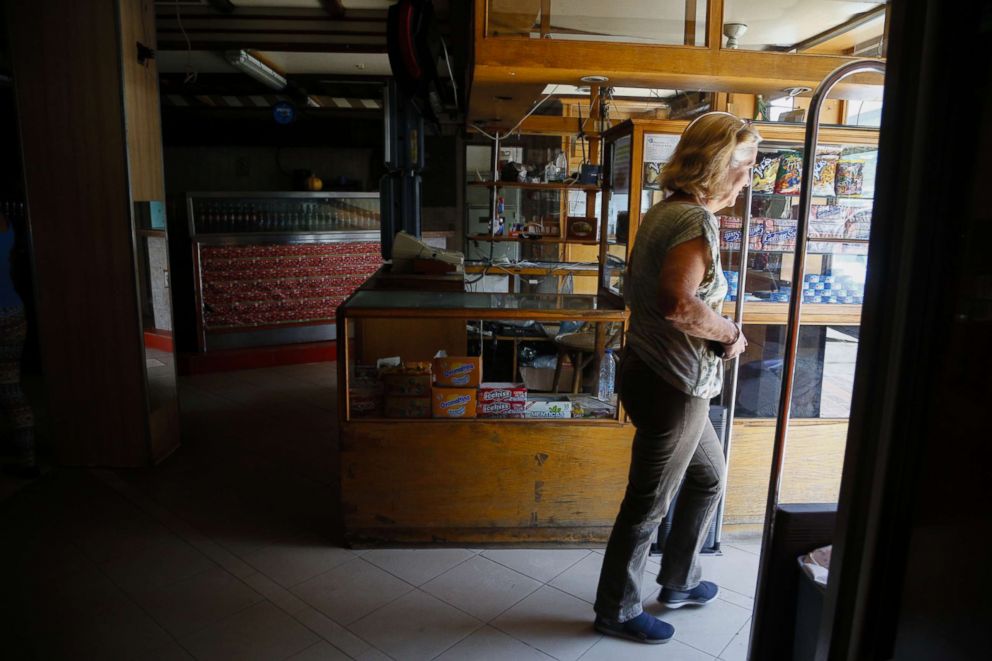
677 214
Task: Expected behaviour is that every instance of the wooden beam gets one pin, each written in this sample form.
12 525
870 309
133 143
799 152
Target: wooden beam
545 18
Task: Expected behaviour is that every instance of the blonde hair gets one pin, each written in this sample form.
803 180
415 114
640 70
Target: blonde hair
709 147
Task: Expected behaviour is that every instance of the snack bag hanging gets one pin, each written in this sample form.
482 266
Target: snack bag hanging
850 177
765 171
790 171
824 173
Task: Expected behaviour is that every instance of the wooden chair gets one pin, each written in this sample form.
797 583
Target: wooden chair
580 348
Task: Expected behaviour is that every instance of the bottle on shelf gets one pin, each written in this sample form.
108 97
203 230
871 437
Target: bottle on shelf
607 377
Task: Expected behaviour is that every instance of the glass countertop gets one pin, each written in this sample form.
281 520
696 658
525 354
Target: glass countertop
475 304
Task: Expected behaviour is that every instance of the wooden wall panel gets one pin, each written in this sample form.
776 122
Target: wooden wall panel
814 458
141 96
67 71
523 482
499 479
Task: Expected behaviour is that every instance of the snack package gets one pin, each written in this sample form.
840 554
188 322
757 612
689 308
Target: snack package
407 407
502 392
501 409
765 172
457 371
365 400
453 402
850 177
828 220
824 173
858 226
790 171
586 406
407 380
780 235
549 407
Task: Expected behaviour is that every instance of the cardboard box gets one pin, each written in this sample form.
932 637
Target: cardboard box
407 407
541 379
457 371
551 407
453 402
500 409
407 385
502 392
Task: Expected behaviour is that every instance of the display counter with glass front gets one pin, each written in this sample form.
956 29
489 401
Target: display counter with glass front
446 437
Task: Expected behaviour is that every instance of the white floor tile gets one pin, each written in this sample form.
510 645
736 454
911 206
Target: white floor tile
332 632
708 628
481 587
612 649
580 580
415 626
736 570
260 632
737 598
540 564
296 560
737 649
417 566
280 596
196 602
552 621
488 644
322 651
751 547
161 563
351 590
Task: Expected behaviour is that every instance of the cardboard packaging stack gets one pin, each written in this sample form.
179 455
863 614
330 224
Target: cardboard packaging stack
456 380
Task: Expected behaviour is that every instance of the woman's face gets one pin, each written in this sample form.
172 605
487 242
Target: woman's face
737 178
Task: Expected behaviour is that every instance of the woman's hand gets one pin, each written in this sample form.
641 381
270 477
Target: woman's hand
737 347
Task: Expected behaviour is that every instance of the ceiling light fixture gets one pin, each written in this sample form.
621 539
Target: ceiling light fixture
796 91
254 67
594 79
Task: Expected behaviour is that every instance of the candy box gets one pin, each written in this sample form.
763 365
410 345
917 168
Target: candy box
457 371
550 407
453 402
502 392
501 409
407 407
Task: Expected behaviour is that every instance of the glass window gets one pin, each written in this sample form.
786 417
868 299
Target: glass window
672 22
838 27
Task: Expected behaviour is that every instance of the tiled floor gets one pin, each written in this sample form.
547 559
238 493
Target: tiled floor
227 551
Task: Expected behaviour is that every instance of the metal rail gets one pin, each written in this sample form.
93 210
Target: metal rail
796 301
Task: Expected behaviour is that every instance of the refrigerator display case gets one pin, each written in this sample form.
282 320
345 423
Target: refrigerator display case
272 268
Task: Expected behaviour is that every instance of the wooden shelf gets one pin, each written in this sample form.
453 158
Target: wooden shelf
499 269
588 188
813 314
543 239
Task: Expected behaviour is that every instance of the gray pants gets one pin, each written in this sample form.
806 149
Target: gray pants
674 439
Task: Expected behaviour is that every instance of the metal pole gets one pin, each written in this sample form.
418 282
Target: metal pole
495 190
795 307
736 366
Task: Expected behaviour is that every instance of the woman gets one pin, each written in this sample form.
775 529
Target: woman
13 330
671 368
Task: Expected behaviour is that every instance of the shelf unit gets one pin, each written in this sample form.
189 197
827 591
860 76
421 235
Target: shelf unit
526 239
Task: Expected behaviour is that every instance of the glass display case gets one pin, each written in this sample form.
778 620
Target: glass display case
271 268
494 339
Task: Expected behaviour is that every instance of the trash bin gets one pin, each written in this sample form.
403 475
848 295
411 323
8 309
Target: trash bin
814 568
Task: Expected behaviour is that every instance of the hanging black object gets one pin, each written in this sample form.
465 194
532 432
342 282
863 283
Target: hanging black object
414 46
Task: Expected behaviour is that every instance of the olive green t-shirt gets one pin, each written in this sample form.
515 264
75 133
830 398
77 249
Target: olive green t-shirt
684 361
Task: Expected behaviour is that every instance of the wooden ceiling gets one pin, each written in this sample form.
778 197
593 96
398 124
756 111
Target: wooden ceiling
510 73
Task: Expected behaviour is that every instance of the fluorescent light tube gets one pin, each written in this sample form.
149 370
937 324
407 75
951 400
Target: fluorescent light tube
257 69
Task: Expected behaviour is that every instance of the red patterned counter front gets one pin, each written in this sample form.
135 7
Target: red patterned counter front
248 286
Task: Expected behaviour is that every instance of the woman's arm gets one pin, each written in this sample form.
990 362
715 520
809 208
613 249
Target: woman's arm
681 274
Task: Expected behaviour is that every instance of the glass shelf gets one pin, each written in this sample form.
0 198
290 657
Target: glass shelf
478 305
